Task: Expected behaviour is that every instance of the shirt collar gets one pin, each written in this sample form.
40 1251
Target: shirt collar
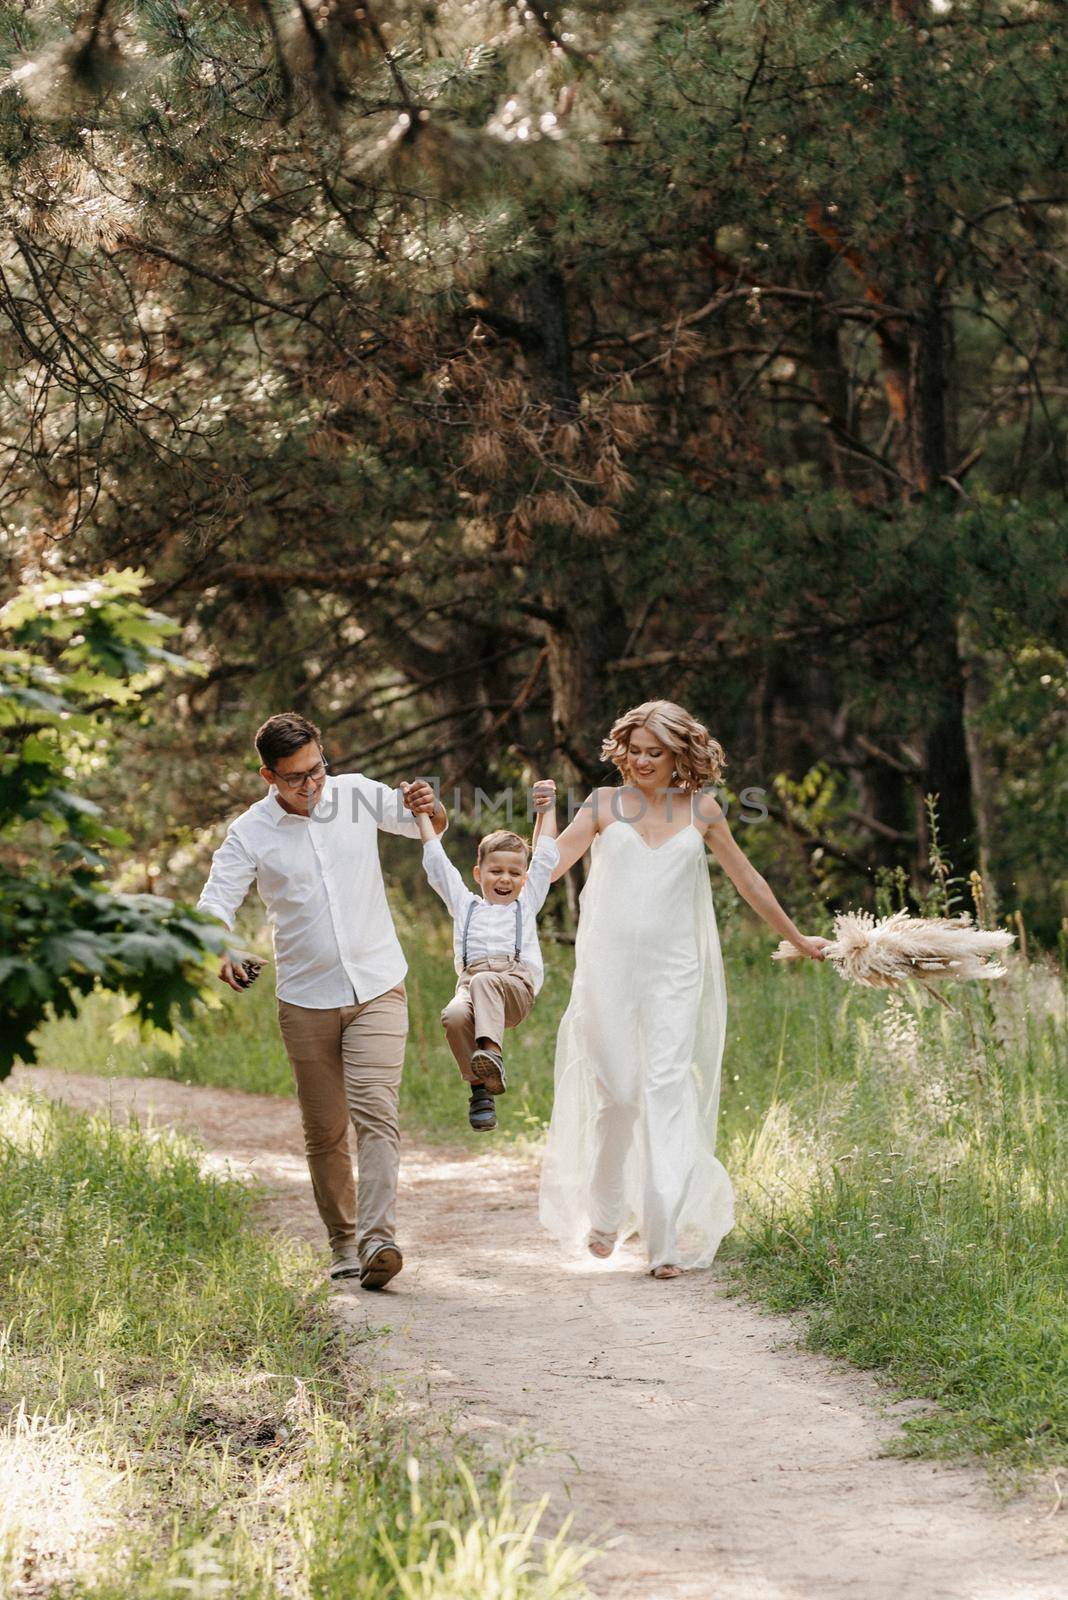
273 808
276 812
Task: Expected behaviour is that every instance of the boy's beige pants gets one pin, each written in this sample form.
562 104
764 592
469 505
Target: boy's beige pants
347 1063
491 995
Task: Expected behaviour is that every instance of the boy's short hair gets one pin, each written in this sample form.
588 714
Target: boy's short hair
283 734
503 839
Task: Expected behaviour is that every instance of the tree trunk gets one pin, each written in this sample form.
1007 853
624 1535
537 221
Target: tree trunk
947 769
549 353
583 623
830 382
976 690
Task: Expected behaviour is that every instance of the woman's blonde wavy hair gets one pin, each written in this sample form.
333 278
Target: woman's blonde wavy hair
699 759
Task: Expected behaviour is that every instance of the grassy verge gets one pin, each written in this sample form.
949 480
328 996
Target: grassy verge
901 1168
177 1414
908 1193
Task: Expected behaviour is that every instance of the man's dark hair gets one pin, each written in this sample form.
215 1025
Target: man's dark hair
284 734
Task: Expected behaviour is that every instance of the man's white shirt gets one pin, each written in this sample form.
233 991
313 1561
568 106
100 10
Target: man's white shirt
320 879
491 929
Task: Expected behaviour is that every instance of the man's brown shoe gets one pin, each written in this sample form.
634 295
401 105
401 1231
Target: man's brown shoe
346 1262
383 1265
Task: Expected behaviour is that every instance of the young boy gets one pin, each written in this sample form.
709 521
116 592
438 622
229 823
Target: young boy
495 939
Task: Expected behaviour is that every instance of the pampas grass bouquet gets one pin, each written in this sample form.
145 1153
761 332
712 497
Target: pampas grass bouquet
884 952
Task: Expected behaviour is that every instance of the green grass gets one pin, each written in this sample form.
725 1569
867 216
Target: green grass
908 1194
900 1168
177 1413
238 1044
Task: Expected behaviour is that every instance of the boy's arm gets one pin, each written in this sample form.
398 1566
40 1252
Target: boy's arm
546 851
540 874
427 831
543 796
545 791
441 875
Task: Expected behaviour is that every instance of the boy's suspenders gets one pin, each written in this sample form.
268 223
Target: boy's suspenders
471 904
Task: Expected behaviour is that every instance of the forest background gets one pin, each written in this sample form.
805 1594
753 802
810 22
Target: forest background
460 375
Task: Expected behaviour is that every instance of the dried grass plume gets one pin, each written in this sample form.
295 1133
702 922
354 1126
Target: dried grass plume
885 952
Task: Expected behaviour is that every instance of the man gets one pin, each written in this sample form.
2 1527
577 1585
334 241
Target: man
311 845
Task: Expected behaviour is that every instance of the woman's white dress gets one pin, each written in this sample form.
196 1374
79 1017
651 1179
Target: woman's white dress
632 1140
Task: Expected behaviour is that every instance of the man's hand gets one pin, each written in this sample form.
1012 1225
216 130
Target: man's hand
419 797
239 971
233 972
543 794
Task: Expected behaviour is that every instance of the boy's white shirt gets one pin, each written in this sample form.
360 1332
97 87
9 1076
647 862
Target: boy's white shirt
491 931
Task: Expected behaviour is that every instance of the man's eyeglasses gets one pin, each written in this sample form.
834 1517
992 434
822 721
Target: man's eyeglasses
299 780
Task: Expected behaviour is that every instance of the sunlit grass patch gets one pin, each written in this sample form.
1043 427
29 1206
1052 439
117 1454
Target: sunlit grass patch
174 1375
233 1046
438 1533
59 1492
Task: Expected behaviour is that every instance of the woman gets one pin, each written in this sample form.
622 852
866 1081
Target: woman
632 1140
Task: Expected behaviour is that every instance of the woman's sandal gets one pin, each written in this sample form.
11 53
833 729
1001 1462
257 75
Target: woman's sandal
667 1270
601 1245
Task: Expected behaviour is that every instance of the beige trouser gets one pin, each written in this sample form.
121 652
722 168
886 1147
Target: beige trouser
347 1062
491 995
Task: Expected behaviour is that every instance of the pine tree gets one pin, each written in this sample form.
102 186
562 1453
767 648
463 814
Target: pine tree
466 374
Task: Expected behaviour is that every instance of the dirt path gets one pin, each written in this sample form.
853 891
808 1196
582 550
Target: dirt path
725 1464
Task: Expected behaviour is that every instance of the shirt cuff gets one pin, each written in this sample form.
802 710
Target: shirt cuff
211 910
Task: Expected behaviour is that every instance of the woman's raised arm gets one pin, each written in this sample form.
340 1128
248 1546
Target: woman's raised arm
577 836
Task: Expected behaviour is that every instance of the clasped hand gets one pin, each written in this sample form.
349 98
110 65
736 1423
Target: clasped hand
419 797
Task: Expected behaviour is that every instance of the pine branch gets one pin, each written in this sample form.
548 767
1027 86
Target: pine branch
418 727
